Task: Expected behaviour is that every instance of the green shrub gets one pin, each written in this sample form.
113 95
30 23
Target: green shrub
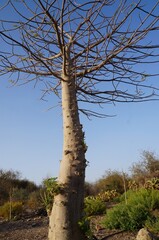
135 213
34 201
153 225
138 214
148 198
94 206
47 201
112 180
84 225
50 189
117 217
11 210
128 195
126 217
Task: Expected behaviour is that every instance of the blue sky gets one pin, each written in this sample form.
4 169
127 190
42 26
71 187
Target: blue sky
31 135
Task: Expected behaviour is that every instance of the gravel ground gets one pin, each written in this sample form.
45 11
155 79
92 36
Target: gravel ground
37 229
27 229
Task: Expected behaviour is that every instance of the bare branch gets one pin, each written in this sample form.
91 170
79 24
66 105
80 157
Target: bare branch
106 50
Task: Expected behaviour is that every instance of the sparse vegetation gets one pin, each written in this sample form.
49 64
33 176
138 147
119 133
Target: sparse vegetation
133 214
112 180
34 200
126 203
16 194
49 190
147 168
153 224
10 210
88 53
94 206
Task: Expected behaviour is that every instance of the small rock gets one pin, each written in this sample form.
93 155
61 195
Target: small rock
29 220
144 234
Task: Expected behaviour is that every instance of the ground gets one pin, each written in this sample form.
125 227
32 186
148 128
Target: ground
36 228
26 229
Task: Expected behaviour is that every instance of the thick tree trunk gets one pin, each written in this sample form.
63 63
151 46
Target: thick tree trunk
67 208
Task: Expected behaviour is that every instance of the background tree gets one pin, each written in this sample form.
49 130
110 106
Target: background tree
12 187
86 53
8 180
90 189
112 180
146 169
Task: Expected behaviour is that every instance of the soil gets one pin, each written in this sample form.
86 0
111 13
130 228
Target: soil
36 228
24 229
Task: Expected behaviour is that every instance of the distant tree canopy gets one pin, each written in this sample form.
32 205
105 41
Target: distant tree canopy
140 174
12 184
147 168
112 180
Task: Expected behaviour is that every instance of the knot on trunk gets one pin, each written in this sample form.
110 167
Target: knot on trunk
67 152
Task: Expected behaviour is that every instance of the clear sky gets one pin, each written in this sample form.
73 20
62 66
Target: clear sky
31 135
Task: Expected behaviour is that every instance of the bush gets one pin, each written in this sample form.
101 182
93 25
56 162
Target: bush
89 189
152 183
112 180
84 225
94 206
126 217
108 196
50 189
135 213
10 210
34 202
129 194
47 201
148 198
153 225
147 168
117 218
20 194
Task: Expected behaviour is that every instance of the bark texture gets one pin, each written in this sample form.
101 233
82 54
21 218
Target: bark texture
67 208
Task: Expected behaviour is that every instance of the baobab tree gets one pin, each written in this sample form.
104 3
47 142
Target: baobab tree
87 53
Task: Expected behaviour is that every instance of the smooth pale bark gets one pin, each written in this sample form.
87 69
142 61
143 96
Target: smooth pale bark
67 208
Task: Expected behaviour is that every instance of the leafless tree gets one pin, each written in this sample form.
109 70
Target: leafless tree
86 52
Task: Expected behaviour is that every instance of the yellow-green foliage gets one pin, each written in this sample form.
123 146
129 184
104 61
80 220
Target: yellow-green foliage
136 212
34 201
112 180
152 224
107 195
51 188
133 185
84 225
10 209
93 206
152 183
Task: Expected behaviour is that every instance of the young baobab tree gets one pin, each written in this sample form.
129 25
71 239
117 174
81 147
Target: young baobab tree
86 52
